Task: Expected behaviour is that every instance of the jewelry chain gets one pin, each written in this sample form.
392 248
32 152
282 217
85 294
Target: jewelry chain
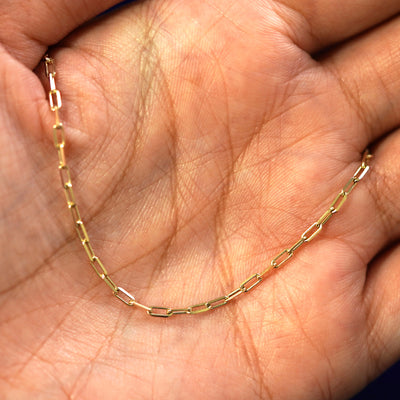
127 298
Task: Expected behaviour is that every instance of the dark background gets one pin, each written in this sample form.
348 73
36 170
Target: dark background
387 386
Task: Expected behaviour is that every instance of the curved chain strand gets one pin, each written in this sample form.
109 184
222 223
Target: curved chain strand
120 293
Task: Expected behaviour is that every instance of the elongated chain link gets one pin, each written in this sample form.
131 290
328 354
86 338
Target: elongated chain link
127 298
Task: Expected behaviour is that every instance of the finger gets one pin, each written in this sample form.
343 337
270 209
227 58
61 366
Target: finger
374 214
367 71
370 221
325 22
379 220
26 30
382 301
384 188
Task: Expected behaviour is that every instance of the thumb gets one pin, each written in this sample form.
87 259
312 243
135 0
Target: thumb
28 28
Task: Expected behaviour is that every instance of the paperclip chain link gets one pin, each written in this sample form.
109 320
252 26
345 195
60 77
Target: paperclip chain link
127 298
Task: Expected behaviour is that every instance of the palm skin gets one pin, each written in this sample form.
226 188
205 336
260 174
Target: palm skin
202 141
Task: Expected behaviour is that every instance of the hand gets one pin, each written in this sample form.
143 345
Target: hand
203 139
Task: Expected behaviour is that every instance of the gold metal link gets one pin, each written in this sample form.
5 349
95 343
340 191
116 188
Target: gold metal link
162 312
89 250
218 302
350 185
361 171
136 304
235 293
269 268
76 216
124 296
177 311
279 260
81 230
338 202
65 176
69 194
250 283
314 229
326 216
61 157
59 139
198 308
58 135
109 282
99 267
295 247
367 156
49 66
55 100
57 117
52 82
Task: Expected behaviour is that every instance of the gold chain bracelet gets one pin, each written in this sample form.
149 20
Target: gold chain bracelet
127 298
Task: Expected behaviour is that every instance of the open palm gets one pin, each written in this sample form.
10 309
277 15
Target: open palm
203 139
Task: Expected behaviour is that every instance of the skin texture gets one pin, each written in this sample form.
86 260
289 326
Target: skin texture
203 139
